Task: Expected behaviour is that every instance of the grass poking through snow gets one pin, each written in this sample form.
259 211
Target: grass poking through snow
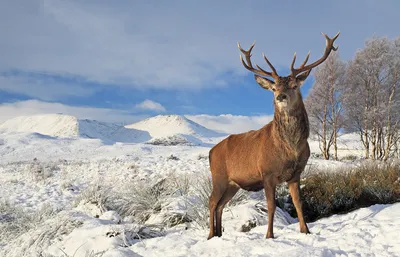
327 193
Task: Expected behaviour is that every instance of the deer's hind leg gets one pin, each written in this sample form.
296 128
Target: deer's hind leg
227 196
216 195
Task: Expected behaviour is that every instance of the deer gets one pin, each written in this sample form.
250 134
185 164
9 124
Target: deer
275 154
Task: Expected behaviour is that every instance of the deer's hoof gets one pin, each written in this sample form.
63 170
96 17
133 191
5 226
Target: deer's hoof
305 231
269 235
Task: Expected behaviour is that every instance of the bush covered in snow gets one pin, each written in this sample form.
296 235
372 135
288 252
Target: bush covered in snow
94 195
202 189
14 221
141 200
173 158
170 201
350 157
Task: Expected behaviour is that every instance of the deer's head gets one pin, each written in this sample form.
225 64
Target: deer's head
286 89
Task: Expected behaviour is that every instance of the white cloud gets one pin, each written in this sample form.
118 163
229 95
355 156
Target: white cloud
151 105
175 45
231 124
31 107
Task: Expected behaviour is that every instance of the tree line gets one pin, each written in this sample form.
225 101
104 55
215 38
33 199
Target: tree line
360 96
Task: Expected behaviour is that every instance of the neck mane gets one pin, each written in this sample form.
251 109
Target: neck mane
291 126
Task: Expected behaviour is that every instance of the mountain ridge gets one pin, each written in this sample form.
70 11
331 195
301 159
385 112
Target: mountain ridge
158 130
67 126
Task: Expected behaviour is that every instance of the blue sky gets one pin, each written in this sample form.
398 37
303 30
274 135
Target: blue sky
142 58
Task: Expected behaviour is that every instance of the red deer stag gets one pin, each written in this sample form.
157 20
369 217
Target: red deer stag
276 153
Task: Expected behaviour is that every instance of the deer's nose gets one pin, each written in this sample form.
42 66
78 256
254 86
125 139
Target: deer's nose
281 97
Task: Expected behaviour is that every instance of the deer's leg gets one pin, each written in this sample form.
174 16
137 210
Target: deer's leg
227 196
215 196
294 189
269 188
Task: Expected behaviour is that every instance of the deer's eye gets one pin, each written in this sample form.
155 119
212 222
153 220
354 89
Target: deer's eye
273 89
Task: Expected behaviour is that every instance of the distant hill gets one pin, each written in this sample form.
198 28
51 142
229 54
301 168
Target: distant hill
59 125
176 130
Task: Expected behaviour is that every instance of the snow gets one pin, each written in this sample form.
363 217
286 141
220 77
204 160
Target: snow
370 231
52 161
167 126
159 130
50 124
66 126
348 144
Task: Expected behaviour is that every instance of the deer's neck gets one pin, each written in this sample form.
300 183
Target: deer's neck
291 127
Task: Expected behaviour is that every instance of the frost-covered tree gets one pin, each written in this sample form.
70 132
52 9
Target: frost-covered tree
371 97
392 126
324 106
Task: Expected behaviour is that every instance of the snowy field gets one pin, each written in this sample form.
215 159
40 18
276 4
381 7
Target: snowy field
60 174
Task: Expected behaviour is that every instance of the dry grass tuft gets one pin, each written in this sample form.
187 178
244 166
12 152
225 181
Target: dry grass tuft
327 193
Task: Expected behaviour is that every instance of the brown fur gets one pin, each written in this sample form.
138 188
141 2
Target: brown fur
274 154
259 159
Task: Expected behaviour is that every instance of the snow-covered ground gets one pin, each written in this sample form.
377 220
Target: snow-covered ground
52 161
370 231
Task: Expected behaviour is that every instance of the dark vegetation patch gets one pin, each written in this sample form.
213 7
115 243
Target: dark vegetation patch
326 193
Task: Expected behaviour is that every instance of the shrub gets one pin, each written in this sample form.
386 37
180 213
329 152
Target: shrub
327 193
173 157
170 141
141 200
42 171
349 157
181 183
176 219
202 157
284 200
199 206
133 167
94 194
14 221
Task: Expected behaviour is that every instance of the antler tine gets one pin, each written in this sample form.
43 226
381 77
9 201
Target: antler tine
306 60
294 60
331 39
248 51
329 47
248 65
270 65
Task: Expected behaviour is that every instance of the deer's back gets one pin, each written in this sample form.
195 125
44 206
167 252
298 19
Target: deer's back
248 157
238 158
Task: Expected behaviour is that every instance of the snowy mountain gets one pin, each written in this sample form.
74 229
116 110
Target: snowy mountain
176 130
66 126
159 130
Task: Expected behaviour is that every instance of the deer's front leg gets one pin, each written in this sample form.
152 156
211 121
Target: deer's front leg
294 189
269 188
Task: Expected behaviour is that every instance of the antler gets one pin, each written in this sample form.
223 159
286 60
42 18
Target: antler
248 65
303 67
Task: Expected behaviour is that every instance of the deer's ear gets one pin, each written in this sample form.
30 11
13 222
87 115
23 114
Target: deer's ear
264 82
302 77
